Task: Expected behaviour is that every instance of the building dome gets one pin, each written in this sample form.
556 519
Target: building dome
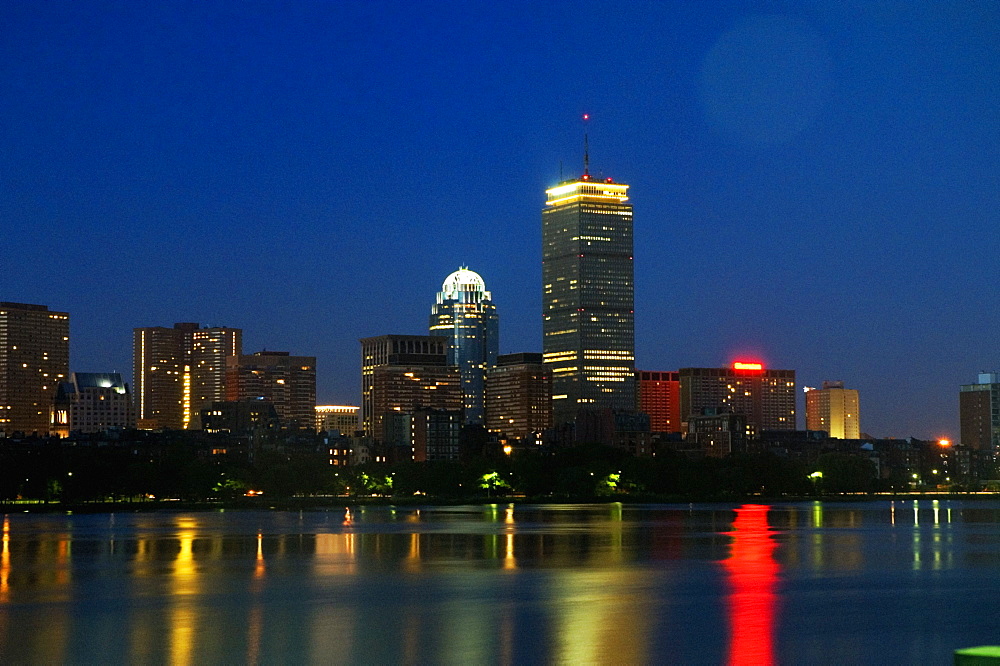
463 280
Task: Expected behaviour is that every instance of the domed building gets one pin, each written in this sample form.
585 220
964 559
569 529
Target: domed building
466 315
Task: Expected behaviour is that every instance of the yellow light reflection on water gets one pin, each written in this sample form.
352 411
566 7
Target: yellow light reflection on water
604 617
509 562
413 554
336 554
255 629
184 581
258 571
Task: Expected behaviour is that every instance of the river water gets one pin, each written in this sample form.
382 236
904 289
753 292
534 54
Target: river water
808 583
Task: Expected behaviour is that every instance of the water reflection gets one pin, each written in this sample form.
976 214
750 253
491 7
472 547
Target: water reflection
494 583
5 562
753 575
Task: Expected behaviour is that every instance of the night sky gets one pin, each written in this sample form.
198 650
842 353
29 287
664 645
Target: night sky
815 182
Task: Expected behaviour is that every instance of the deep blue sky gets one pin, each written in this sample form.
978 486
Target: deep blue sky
815 182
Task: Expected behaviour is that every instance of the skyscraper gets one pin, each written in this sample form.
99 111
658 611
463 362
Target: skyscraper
34 358
178 371
833 409
465 314
979 413
588 296
519 395
403 373
764 396
287 382
207 349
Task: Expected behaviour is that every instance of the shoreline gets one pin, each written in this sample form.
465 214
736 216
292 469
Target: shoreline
326 503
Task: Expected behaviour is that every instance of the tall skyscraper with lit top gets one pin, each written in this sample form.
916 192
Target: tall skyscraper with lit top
466 315
588 320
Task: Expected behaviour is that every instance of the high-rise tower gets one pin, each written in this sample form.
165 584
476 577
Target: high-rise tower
178 371
466 315
287 382
763 396
34 358
833 409
588 296
401 374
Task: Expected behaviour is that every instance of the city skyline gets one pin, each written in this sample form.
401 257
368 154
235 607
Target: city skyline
837 216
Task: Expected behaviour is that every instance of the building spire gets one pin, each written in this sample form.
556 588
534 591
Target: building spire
586 147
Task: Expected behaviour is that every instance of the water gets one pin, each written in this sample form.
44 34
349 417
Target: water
874 582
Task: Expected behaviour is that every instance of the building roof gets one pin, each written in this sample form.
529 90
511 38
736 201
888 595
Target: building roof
463 280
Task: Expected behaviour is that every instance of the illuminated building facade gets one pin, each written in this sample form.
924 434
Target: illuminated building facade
178 371
519 395
588 296
466 315
207 350
34 358
285 381
659 395
403 373
979 413
91 402
833 409
342 418
765 397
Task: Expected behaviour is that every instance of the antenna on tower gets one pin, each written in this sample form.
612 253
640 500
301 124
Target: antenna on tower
586 146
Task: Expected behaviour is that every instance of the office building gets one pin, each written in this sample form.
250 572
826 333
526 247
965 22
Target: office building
979 413
833 409
587 296
519 396
716 435
34 358
342 418
465 314
659 395
208 348
91 402
239 417
285 381
403 373
765 397
424 434
178 371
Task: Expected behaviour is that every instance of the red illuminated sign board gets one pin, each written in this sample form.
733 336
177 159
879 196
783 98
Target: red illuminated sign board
738 365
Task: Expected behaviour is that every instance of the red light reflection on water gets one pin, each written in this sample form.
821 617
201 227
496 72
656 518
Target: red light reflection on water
753 573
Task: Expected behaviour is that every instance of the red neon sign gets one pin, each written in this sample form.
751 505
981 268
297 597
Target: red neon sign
740 365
